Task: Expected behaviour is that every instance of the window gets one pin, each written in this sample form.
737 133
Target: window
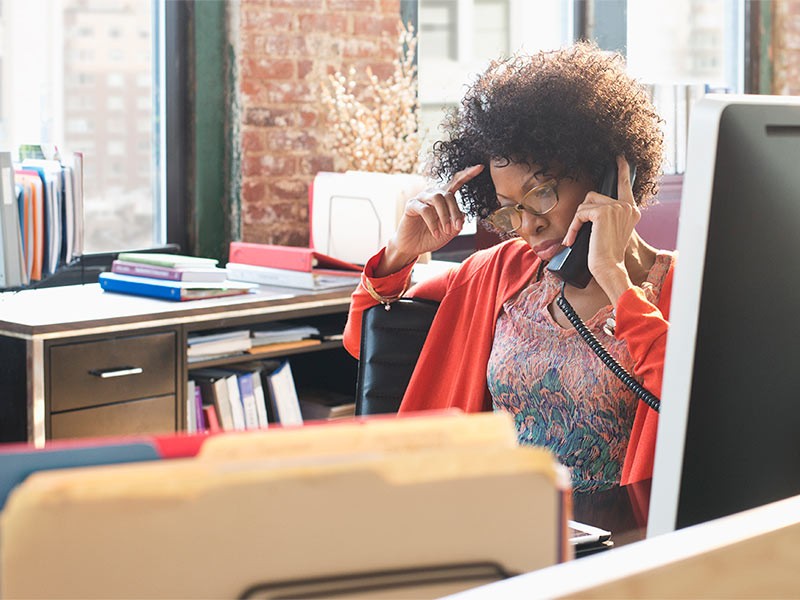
116 80
78 102
79 125
438 28
115 103
116 148
691 47
458 37
491 27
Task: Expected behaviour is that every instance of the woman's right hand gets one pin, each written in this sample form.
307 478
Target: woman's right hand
430 220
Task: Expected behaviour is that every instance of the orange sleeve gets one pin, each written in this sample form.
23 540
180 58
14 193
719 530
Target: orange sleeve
388 286
644 327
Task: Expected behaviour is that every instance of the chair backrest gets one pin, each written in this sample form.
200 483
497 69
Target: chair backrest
391 341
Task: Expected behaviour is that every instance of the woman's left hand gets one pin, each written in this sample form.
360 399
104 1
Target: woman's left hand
613 222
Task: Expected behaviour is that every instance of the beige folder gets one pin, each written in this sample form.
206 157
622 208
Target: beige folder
382 434
418 523
747 555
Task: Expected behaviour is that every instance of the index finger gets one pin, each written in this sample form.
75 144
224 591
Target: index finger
462 177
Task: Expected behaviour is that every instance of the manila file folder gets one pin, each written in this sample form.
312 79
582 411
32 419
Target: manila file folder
376 522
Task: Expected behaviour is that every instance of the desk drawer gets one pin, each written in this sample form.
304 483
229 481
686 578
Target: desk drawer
147 416
112 370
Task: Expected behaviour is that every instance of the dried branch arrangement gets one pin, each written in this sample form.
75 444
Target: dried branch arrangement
372 123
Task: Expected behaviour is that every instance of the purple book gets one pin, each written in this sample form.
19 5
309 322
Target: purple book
198 409
171 273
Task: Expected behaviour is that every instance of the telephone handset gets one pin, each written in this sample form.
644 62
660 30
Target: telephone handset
572 263
572 266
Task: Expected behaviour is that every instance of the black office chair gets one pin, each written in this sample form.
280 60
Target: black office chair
391 341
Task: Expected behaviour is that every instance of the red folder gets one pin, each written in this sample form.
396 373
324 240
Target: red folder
293 258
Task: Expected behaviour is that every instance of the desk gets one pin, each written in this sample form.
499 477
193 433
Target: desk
51 338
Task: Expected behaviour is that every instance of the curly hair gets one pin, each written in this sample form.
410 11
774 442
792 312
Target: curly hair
574 108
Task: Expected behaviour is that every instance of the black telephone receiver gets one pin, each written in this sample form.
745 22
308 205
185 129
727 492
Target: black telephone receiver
572 266
572 263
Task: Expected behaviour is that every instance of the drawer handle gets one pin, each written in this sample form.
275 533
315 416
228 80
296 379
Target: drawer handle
116 372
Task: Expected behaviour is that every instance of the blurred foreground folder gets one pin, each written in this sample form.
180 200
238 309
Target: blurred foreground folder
387 434
750 554
419 523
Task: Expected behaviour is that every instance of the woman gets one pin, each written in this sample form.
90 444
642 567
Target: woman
527 150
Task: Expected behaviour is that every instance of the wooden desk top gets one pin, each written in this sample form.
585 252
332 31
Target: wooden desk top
80 309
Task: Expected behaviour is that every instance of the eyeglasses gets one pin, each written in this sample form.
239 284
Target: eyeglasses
538 201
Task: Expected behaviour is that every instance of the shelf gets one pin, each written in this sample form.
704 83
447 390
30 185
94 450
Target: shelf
246 356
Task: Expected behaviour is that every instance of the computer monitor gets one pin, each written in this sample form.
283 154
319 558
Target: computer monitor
729 428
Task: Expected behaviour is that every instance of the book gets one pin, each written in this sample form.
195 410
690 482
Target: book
171 290
229 342
191 409
49 171
171 273
214 390
12 261
200 421
252 392
235 334
282 346
33 221
211 420
248 396
293 258
167 260
67 184
261 370
319 405
283 395
76 175
308 280
278 332
236 401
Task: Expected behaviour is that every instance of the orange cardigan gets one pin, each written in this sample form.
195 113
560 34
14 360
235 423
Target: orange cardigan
451 371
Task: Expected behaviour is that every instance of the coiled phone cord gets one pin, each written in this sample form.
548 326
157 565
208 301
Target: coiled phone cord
598 348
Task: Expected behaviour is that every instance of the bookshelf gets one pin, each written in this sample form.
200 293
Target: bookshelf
80 362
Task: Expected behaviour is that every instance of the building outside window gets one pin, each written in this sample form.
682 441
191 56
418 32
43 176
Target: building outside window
692 47
92 91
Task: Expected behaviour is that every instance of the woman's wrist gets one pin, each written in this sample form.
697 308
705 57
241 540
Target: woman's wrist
393 260
615 282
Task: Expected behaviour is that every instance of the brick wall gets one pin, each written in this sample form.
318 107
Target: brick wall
284 49
786 47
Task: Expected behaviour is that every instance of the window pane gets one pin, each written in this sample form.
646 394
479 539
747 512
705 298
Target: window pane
79 74
438 32
491 28
687 44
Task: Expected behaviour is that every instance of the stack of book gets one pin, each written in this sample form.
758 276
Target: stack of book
280 336
170 276
244 396
229 399
289 266
326 405
218 344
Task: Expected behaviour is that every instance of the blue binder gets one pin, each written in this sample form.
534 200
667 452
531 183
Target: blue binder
16 465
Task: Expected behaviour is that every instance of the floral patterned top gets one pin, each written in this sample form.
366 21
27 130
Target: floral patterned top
559 392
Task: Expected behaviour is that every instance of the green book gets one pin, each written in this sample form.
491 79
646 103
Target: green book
176 261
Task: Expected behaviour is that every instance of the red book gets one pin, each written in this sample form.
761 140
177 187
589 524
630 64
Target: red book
212 422
293 258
